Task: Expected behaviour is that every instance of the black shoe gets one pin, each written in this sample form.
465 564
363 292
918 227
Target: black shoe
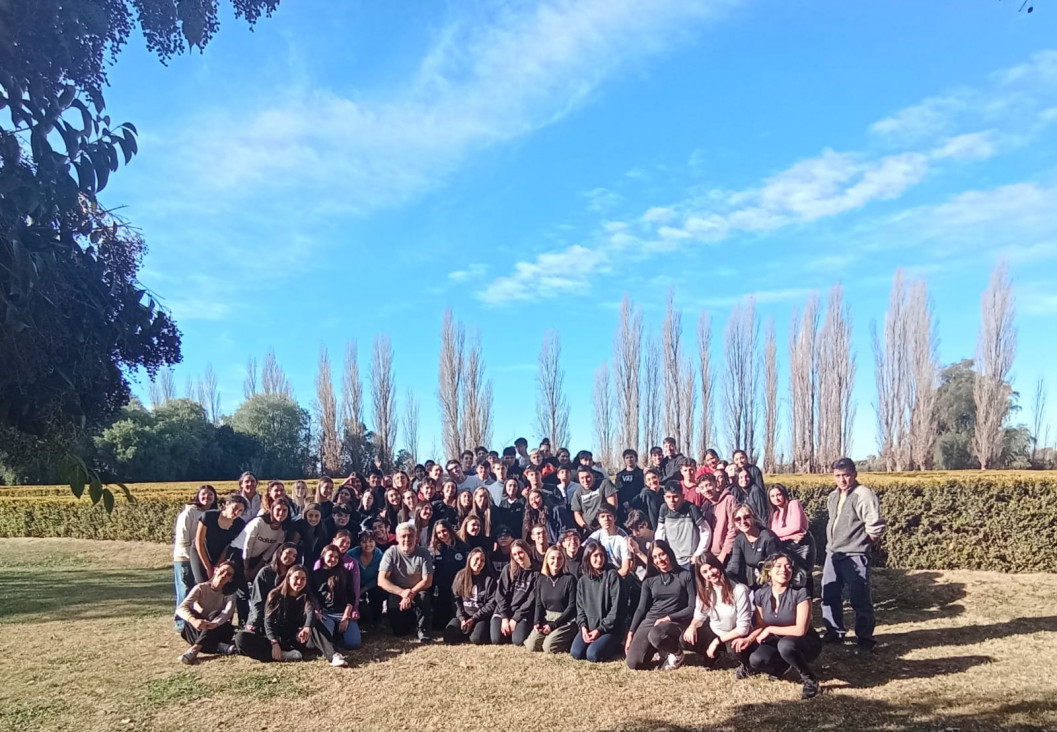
742 672
424 637
831 638
810 688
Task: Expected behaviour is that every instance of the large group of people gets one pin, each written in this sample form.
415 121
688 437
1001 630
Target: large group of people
530 549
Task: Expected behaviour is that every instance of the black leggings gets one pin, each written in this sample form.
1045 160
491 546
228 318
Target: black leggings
257 645
371 603
418 617
443 607
479 635
775 655
518 637
208 640
649 640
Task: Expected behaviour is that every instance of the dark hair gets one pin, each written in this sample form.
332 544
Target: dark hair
630 453
521 441
669 441
237 498
584 469
584 454
590 548
652 471
665 547
781 489
673 488
463 584
375 472
244 475
274 564
704 592
845 464
464 453
706 478
636 518
434 541
509 452
606 508
367 535
655 450
343 532
204 486
276 596
739 451
711 453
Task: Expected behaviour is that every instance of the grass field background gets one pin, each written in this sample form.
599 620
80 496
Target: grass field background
87 643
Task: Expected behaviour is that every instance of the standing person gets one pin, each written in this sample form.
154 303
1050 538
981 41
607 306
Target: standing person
718 509
337 593
855 527
723 610
215 531
670 461
600 601
589 499
564 493
406 573
630 482
368 558
783 635
449 554
790 526
682 526
515 597
248 491
463 481
206 613
748 493
740 458
665 609
613 540
554 624
752 546
473 592
511 509
688 482
651 497
183 539
521 448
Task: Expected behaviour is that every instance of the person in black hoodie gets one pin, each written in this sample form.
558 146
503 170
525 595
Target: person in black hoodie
270 577
511 509
473 592
310 534
290 627
600 601
630 482
449 558
666 607
554 625
515 597
499 556
747 491
651 497
336 591
572 545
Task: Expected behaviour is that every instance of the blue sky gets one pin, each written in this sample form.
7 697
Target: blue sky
348 169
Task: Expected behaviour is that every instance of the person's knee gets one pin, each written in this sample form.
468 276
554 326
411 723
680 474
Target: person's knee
788 648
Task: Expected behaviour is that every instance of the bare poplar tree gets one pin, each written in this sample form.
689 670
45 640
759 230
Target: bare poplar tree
996 347
191 390
836 377
706 431
673 358
894 376
327 417
351 392
605 427
742 377
383 398
803 385
162 387
273 378
449 388
1038 413
486 414
924 366
627 359
688 396
652 394
552 408
210 394
770 398
472 385
411 425
249 383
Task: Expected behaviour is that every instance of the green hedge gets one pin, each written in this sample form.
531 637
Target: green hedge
976 521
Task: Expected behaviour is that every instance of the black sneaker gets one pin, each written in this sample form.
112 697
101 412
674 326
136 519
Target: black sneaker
742 672
810 689
424 637
831 638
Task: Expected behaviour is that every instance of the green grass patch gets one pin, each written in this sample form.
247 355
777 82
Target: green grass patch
28 716
264 686
174 689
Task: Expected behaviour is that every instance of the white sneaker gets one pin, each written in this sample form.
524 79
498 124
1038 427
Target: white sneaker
338 660
291 656
675 660
189 657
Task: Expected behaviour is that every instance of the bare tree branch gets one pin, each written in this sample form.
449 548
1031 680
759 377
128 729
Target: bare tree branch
803 385
383 397
472 384
552 408
996 347
652 390
411 425
327 417
273 378
449 389
249 383
742 377
351 393
706 433
211 394
688 396
836 377
605 428
1038 413
627 359
673 358
770 397
924 367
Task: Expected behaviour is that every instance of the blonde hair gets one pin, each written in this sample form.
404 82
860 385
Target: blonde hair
546 567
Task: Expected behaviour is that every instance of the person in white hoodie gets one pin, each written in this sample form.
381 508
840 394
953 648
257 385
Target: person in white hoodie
183 537
256 544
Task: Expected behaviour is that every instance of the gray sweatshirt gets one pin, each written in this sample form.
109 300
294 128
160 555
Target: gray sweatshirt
859 521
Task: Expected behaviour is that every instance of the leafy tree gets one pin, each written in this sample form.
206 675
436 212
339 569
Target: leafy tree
73 317
956 422
280 427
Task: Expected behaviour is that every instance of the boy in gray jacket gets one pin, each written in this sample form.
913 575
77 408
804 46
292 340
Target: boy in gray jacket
855 526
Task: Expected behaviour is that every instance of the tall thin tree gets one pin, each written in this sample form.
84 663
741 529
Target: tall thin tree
211 394
411 425
652 395
996 347
803 385
924 366
383 398
672 335
605 428
1038 414
351 392
273 378
706 431
552 407
327 417
770 398
627 360
894 375
449 388
688 396
742 377
836 377
472 383
249 383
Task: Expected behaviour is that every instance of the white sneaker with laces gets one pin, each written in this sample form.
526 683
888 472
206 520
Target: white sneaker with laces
338 660
674 661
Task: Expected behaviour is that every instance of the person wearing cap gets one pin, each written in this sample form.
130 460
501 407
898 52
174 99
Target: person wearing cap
406 573
499 550
590 498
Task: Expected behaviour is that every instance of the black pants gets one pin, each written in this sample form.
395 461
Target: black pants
208 640
803 553
775 655
650 640
518 637
371 603
417 617
197 568
257 645
479 635
443 606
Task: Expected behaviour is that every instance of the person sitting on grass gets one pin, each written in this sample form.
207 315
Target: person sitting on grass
474 595
337 592
368 559
515 599
573 548
291 629
406 573
723 610
554 624
600 600
783 636
666 606
206 613
268 579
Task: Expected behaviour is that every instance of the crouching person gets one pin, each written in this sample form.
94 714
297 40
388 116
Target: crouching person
291 628
406 573
206 613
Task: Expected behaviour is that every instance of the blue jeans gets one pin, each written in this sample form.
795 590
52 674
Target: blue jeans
851 571
350 638
183 581
605 648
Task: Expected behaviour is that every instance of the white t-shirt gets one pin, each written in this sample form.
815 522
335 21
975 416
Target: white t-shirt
616 546
471 483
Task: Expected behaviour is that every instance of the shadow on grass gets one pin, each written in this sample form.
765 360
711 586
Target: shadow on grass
864 715
60 594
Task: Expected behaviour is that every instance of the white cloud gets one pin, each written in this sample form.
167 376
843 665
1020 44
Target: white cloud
658 215
472 272
971 146
551 275
602 199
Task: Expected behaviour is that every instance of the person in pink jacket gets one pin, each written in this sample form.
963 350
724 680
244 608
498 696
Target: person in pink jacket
790 525
718 507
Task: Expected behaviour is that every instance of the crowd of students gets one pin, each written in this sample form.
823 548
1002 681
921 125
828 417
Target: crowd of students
526 548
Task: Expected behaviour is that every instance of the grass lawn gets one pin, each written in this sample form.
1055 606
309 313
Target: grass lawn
87 643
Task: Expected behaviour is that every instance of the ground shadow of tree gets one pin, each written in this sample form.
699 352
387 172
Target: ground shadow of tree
73 594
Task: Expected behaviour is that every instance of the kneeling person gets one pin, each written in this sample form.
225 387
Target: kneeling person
406 573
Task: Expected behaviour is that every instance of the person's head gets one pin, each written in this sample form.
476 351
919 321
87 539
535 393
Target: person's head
454 468
466 461
565 476
367 543
520 556
585 457
653 479
585 476
480 452
845 474
435 471
276 490
285 557
423 513
631 459
482 500
367 501
533 476
711 459
224 573
553 562
248 484
234 505
311 514
420 472
668 445
481 469
778 495
381 532
296 581
205 497
387 481
722 480
407 498
534 498
448 491
392 498
562 455
343 540
343 496
406 536
280 511
673 497
709 575
656 456
521 445
745 520
779 569
607 518
324 489
594 559
330 557
545 448
744 479
638 523
535 458
538 536
706 486
499 470
427 489
511 489
740 458
570 541
374 478
503 538
663 557
471 526
476 560
687 468
300 490
443 533
464 500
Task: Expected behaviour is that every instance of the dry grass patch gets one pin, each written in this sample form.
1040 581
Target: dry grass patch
89 645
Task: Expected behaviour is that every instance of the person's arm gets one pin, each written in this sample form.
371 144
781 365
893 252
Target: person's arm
742 613
387 585
186 609
704 535
615 593
487 608
539 613
611 494
734 566
251 564
870 513
200 547
460 609
182 533
645 600
661 533
502 595
684 614
798 522
228 611
568 605
427 577
272 630
730 532
740 644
